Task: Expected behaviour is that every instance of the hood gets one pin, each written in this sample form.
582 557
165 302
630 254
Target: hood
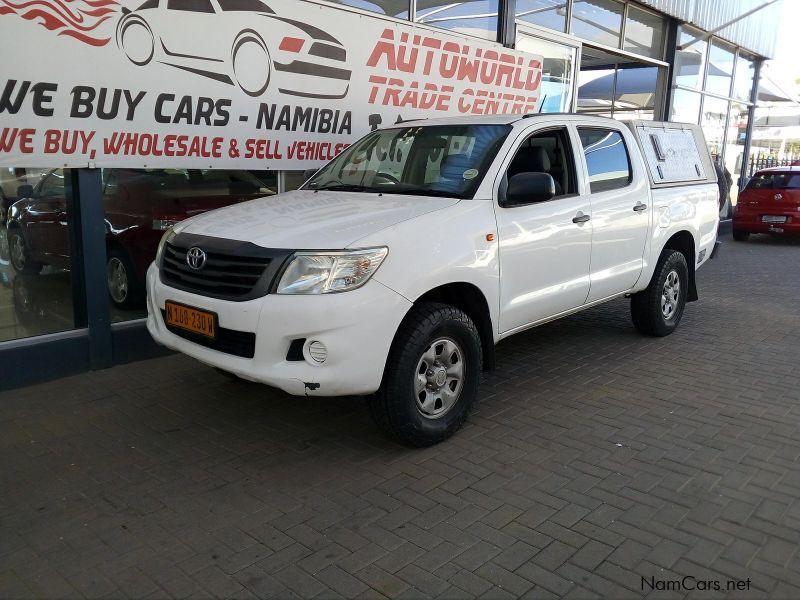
312 220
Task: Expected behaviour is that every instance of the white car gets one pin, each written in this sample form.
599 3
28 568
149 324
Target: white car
398 266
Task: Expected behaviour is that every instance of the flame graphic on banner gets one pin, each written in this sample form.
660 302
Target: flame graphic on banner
75 18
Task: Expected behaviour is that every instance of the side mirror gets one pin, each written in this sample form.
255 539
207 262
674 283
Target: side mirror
529 188
308 174
24 191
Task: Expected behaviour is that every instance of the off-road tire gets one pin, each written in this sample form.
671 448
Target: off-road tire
394 406
646 306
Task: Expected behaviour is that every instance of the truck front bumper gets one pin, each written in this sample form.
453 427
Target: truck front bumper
356 328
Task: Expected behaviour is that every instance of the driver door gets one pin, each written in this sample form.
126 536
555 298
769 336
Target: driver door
545 247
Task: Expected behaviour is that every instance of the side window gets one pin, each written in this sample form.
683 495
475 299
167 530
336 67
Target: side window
606 159
52 185
149 4
200 6
547 152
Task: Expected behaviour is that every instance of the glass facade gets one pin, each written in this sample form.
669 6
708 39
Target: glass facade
392 8
557 71
598 21
36 237
644 33
712 86
473 17
551 14
141 204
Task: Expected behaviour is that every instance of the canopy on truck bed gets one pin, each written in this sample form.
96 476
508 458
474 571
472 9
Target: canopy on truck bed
675 153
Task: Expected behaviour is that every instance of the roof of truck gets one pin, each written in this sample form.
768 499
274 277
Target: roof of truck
492 119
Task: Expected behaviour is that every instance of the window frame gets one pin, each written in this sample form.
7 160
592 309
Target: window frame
502 184
621 134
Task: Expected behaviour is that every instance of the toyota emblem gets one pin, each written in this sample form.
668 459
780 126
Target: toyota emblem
196 258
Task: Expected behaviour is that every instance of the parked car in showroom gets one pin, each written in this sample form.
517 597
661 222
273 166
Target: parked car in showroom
398 266
770 203
140 204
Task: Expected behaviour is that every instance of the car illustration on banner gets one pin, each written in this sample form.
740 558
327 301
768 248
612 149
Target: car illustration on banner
226 40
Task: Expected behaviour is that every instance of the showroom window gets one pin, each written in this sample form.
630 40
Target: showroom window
292 180
720 68
392 8
644 33
723 79
685 106
551 14
473 17
141 204
598 21
36 284
743 77
690 58
557 71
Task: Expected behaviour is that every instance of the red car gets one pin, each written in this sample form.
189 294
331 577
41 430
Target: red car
770 203
139 205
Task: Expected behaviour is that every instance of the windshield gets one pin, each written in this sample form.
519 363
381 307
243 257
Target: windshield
438 160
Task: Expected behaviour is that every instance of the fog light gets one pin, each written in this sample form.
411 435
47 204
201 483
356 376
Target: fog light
318 351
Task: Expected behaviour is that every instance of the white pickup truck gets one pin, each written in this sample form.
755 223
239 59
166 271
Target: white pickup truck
399 265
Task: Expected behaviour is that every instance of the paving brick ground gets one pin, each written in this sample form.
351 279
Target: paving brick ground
595 458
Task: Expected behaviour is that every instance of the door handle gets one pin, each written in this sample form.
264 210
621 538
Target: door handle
640 206
580 218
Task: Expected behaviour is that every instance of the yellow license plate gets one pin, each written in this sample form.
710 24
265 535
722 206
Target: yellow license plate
191 319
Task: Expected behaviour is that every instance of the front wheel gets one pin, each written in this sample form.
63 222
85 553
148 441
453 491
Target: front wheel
431 377
657 310
19 254
123 286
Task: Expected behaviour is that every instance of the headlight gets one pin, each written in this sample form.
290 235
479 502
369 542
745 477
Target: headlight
168 235
326 272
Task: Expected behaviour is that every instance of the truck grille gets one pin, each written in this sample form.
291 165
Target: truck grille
225 275
233 270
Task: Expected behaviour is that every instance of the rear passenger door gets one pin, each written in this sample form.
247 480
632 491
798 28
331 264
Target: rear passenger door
621 211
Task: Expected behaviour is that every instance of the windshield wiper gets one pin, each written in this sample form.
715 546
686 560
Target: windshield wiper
343 187
412 191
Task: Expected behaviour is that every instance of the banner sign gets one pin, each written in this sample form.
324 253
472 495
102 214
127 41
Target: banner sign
273 84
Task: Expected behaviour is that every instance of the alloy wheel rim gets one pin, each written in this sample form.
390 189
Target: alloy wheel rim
670 295
117 280
439 378
17 251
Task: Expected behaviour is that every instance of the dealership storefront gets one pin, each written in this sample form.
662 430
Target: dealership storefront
121 119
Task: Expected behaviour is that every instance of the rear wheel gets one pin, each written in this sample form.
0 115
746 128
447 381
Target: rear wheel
431 377
740 236
19 254
657 310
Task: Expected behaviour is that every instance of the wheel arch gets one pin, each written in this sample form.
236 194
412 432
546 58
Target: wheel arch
683 241
469 298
